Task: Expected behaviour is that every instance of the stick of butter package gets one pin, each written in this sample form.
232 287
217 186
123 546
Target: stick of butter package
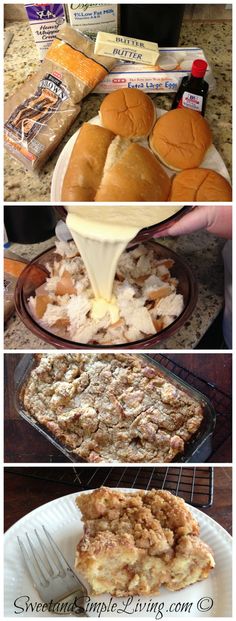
40 111
172 65
126 48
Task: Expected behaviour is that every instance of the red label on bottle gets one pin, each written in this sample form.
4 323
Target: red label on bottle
191 101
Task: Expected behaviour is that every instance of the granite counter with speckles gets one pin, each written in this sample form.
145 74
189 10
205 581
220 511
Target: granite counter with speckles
21 60
202 251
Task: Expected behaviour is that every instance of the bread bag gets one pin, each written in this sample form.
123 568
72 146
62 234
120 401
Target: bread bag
41 111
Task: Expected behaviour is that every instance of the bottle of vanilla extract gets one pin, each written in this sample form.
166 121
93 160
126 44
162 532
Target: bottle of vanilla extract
193 90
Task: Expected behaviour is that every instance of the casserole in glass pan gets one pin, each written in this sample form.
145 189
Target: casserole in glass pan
197 449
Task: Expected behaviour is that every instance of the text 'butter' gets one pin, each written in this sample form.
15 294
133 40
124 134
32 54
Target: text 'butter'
126 48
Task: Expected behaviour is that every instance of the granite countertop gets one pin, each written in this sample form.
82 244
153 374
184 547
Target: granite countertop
202 251
21 60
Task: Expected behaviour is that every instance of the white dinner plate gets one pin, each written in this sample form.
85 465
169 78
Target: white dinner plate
208 598
211 160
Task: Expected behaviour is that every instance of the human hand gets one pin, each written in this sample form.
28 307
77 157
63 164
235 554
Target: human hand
216 219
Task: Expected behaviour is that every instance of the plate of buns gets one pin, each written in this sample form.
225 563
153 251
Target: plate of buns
133 151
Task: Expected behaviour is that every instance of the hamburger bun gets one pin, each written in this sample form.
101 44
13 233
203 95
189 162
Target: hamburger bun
85 168
132 173
180 139
128 112
201 185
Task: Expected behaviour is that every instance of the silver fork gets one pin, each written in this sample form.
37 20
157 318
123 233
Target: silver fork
52 576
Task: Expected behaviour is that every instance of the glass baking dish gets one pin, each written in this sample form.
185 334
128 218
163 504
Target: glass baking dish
197 450
36 272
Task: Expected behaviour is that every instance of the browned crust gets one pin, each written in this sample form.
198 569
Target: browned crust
89 443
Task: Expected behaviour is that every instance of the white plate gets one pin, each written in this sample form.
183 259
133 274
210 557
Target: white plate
209 598
211 160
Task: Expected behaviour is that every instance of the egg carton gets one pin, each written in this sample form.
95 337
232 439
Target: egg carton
173 64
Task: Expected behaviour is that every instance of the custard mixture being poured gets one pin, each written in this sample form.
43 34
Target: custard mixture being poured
101 234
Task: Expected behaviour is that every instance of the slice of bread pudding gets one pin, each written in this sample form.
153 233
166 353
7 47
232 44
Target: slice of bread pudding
134 543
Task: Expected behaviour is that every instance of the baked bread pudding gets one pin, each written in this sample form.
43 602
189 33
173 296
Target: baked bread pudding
111 407
134 543
145 291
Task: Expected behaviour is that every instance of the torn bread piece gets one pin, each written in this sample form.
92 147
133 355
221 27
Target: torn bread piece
144 291
170 305
135 175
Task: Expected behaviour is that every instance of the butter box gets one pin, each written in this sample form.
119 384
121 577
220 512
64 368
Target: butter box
126 48
172 65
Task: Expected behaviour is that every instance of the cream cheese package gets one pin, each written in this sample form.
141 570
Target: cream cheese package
172 65
90 18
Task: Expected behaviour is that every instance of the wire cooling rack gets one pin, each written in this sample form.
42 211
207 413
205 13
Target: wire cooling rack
221 401
194 485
